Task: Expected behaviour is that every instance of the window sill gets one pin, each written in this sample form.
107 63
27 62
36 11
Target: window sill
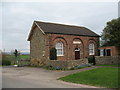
59 55
91 54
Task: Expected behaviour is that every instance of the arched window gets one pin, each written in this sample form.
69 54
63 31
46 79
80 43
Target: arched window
59 48
91 49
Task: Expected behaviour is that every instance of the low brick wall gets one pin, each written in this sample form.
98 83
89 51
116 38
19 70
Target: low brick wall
107 59
67 63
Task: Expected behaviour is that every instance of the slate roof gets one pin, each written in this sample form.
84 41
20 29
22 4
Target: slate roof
55 28
65 29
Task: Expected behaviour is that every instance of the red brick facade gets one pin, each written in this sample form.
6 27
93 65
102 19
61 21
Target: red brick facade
74 41
113 50
69 47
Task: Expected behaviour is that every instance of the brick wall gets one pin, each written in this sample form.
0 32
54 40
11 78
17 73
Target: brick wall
40 45
69 47
66 63
114 51
107 59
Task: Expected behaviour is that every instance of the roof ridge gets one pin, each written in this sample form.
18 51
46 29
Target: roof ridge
61 24
84 30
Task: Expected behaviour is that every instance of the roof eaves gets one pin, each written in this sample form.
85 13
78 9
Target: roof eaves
72 34
30 32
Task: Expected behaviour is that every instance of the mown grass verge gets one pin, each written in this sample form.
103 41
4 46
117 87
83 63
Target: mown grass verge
109 65
101 77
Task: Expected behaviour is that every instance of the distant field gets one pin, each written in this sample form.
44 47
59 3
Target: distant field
12 57
21 56
25 56
22 59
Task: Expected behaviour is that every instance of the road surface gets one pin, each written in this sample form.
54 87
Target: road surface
29 77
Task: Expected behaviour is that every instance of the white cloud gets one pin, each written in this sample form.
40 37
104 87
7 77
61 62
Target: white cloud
60 0
0 26
18 18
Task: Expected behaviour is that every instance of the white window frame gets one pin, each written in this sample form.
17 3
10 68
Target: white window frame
101 52
59 48
91 49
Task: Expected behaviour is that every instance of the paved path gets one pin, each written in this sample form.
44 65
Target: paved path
29 77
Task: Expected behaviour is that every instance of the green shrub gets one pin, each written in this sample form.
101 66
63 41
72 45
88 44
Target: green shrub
53 54
64 69
0 62
72 68
49 67
91 59
6 62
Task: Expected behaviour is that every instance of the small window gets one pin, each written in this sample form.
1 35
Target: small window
108 52
91 49
101 52
59 48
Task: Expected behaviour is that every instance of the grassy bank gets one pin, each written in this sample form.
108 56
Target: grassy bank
109 65
102 77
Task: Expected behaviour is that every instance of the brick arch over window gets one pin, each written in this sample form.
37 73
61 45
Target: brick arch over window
77 37
60 39
78 43
92 45
64 43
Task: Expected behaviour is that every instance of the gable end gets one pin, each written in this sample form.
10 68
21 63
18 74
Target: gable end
32 30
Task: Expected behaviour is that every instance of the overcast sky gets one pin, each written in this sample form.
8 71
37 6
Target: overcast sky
17 18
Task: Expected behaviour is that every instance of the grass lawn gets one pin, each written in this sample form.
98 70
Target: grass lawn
10 57
109 65
101 77
13 60
25 56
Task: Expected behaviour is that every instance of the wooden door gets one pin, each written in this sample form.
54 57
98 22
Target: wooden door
77 55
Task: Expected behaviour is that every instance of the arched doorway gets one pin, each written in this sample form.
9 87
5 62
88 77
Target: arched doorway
77 53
